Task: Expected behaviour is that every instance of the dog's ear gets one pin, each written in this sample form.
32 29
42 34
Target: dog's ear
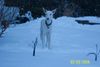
44 10
54 11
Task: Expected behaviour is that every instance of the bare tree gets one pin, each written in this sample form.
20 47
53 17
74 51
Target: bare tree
34 46
96 53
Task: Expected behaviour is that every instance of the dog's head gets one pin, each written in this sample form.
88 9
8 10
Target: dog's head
49 14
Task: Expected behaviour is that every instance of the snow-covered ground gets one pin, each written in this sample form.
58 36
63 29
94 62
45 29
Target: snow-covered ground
70 41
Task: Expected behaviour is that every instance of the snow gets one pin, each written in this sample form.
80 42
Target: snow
70 41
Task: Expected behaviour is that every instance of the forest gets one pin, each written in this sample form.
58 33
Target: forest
64 7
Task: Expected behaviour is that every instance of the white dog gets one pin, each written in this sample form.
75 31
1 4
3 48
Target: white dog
46 27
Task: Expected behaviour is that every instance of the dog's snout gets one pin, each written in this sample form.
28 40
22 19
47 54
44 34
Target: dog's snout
47 18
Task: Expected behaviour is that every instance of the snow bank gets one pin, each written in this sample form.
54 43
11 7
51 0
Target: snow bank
70 41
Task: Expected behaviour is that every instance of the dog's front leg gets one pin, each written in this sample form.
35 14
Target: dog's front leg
43 40
49 40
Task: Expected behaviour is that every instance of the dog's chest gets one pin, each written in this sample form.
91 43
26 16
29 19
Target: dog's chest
46 26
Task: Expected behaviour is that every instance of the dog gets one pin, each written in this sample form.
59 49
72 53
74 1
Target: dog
46 28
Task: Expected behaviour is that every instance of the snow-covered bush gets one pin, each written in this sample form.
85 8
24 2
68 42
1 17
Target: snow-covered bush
29 15
7 16
8 13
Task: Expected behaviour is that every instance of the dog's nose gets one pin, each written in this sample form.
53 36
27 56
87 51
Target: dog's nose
47 18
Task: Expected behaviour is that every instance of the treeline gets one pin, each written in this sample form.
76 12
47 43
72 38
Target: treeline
64 7
35 6
88 7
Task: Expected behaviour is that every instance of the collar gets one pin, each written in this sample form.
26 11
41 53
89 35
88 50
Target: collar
48 24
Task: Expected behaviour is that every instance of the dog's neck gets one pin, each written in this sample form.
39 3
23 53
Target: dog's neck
48 22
